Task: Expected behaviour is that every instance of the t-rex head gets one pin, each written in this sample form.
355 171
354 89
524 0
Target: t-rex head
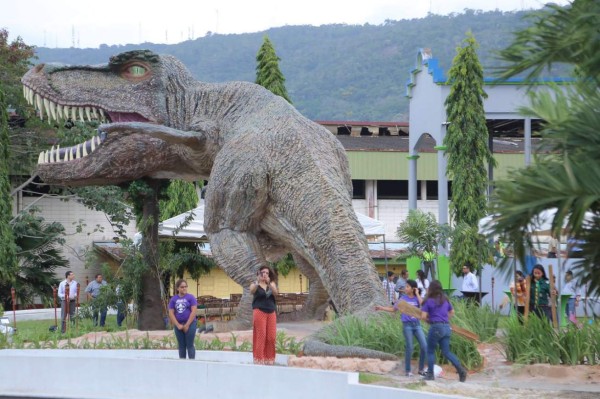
135 86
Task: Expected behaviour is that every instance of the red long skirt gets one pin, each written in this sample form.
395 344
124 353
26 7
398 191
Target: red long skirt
264 333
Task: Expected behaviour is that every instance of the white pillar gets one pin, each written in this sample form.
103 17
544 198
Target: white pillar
412 181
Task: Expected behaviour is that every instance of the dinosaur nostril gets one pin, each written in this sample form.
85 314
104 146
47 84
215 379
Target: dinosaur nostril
39 67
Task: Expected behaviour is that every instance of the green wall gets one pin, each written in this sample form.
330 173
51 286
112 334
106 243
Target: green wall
392 165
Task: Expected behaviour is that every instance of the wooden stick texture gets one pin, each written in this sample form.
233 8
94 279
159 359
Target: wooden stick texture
527 296
552 297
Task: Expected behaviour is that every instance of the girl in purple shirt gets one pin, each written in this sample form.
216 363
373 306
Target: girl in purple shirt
437 310
182 313
411 326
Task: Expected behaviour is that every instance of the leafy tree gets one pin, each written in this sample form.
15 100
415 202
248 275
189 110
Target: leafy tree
180 196
14 62
268 73
39 253
422 231
8 263
568 176
467 148
176 257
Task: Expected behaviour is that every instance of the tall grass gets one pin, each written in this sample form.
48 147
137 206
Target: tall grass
383 332
482 320
538 342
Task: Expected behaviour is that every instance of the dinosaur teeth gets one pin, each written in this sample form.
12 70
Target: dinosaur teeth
53 110
39 105
59 111
56 154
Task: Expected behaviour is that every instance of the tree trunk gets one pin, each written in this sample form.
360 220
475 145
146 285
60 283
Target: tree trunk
152 311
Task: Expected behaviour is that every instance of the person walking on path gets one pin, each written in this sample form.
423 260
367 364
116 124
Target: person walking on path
401 282
422 283
470 283
264 322
389 287
67 303
182 313
552 247
411 327
437 311
518 290
539 293
93 292
571 288
121 304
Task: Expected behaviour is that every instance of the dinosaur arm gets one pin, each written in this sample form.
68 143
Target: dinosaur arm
192 139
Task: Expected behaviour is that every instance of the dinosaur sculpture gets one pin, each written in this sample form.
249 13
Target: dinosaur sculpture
278 182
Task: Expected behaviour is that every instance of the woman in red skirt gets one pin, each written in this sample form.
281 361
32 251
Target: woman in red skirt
264 323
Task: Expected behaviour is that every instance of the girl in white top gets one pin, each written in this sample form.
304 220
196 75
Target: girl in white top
422 283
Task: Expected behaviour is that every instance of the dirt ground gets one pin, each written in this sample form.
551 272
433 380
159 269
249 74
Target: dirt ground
497 379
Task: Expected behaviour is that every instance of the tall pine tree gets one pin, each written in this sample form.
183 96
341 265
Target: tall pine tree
8 260
468 152
268 74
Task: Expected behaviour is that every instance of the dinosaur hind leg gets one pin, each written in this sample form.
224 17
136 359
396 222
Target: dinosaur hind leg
318 297
240 256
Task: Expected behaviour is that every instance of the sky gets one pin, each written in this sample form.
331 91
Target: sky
79 23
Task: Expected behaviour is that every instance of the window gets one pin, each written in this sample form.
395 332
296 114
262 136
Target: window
364 131
393 189
344 130
432 190
358 189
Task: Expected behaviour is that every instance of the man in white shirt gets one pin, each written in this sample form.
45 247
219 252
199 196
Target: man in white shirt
67 303
389 286
470 283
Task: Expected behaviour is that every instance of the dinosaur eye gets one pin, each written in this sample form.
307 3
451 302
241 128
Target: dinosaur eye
136 70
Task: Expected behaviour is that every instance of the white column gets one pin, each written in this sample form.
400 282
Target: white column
412 181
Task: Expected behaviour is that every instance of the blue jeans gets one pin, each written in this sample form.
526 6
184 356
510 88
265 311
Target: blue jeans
185 340
410 329
439 333
120 313
570 307
98 309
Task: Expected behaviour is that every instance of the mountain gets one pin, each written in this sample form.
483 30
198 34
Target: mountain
333 72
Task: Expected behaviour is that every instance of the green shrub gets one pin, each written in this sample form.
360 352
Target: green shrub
383 332
538 342
481 320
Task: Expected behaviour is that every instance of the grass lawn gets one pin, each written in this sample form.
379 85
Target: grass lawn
39 330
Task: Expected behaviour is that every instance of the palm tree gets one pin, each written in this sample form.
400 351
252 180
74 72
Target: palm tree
39 254
567 177
422 231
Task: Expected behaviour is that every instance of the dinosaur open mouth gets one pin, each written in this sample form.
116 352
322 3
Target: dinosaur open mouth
54 110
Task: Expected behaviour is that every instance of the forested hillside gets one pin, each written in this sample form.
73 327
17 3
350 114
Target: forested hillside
333 72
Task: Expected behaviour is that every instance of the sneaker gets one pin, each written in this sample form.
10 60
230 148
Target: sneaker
428 377
462 375
422 373
409 374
